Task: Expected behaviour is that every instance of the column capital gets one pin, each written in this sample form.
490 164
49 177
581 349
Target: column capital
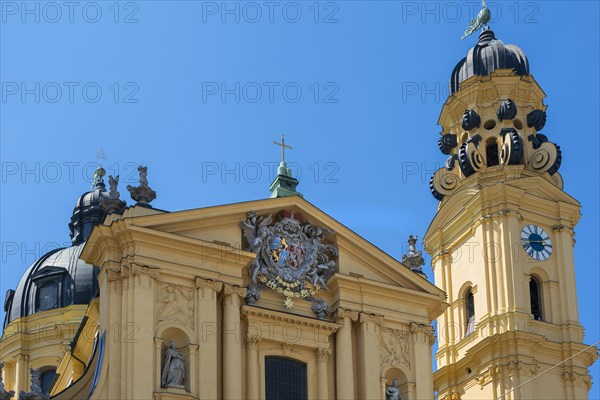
207 283
366 318
113 275
342 313
252 341
133 270
322 355
136 269
419 330
20 357
233 290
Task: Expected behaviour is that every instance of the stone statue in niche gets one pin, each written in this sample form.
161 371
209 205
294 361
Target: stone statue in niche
173 372
4 394
392 392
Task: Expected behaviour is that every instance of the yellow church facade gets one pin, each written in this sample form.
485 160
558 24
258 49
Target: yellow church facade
182 276
275 299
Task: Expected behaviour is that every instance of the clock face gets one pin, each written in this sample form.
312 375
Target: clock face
536 242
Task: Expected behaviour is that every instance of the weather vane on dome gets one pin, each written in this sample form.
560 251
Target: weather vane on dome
99 172
480 21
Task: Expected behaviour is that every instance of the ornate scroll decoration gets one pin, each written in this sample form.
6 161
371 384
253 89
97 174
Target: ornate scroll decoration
291 257
470 120
512 147
470 159
536 119
507 110
396 347
447 142
176 303
547 156
443 183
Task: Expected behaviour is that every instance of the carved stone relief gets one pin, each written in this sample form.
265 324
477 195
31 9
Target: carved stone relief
175 303
396 347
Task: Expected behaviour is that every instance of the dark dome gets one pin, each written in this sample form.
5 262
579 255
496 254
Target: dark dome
58 279
88 212
488 55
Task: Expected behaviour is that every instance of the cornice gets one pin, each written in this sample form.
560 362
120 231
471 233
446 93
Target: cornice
253 312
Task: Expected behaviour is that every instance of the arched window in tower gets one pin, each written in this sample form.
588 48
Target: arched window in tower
469 312
535 298
285 379
491 152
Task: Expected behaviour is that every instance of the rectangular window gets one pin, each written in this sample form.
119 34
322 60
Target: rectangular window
47 296
285 379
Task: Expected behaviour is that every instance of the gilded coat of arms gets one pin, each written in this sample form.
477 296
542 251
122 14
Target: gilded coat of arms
291 258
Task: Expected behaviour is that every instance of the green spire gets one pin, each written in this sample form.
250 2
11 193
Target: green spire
284 183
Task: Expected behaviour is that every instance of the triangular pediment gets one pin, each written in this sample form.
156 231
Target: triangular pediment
358 258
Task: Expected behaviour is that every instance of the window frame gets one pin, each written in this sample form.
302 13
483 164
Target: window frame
469 306
297 362
48 276
534 279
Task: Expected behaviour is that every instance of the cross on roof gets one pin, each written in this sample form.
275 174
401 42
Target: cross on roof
283 147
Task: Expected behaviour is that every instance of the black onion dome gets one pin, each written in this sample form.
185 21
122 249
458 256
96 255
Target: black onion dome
488 55
88 212
58 279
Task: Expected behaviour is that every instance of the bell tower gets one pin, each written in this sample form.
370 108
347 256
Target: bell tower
502 240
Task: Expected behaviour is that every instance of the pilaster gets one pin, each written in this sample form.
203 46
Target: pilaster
322 356
207 311
232 350
369 356
344 350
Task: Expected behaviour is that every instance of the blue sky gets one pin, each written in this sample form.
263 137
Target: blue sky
198 90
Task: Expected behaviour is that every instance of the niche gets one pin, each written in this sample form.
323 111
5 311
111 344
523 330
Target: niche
395 373
181 341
